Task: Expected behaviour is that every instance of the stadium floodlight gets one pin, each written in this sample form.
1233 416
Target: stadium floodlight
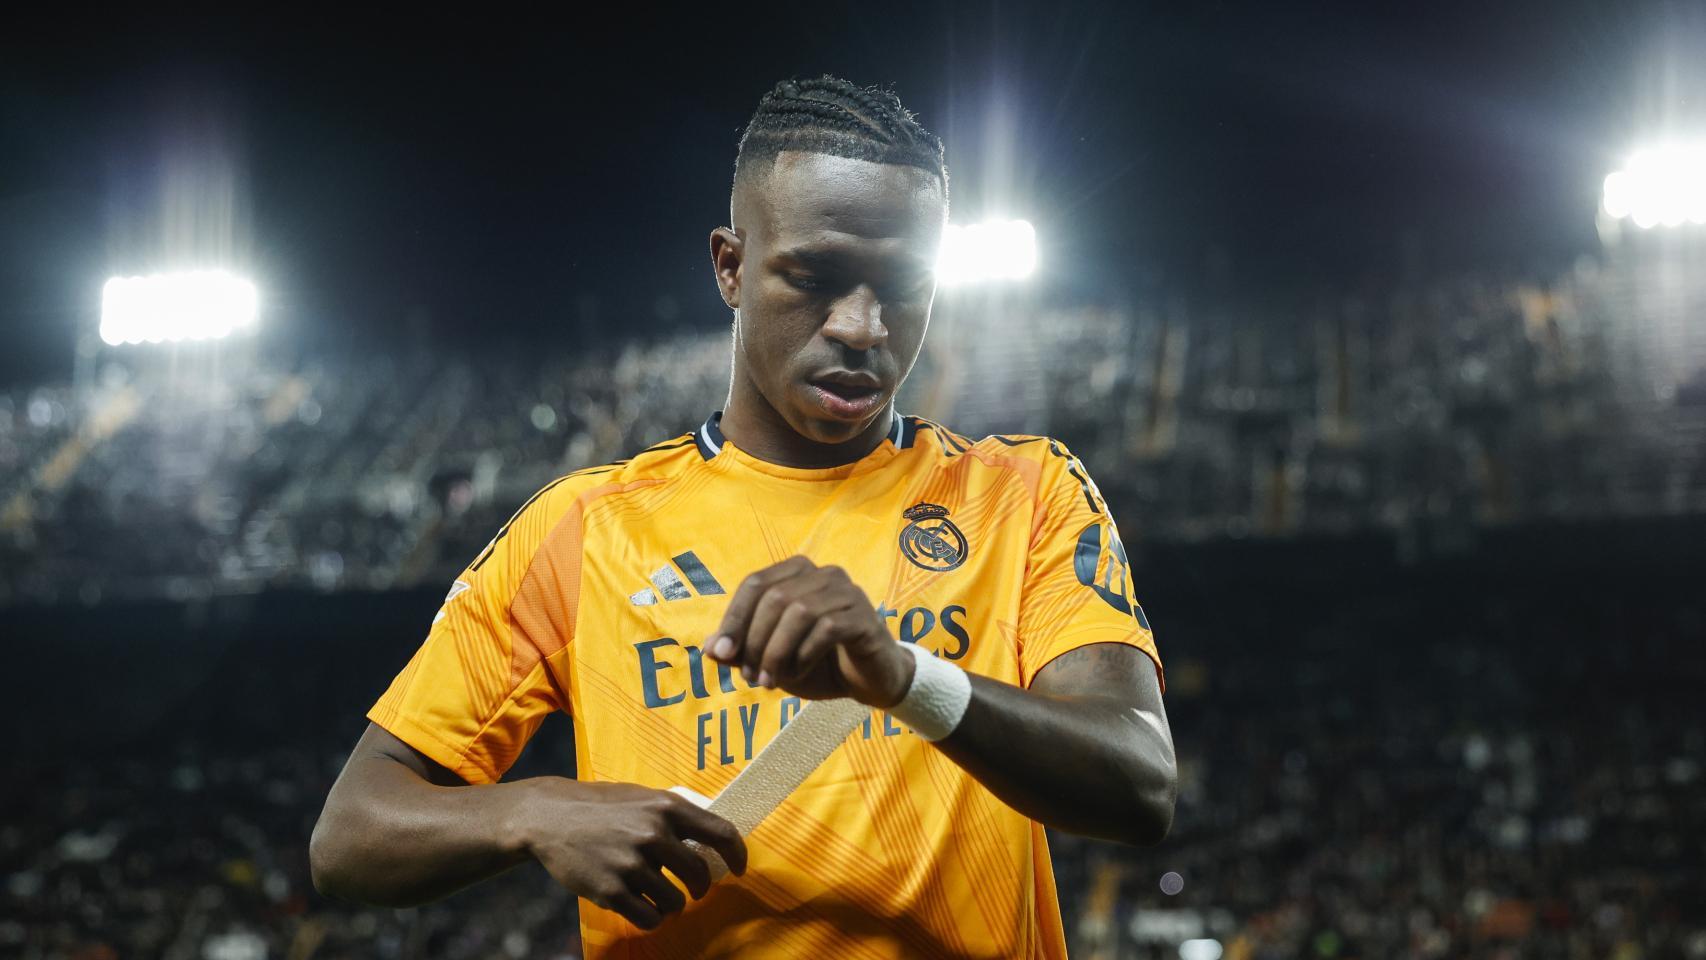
168 307
997 250
1664 185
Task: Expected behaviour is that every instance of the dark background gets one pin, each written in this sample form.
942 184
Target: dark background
1409 455
404 176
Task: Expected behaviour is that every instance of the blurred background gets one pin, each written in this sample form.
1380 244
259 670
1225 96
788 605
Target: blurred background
1383 332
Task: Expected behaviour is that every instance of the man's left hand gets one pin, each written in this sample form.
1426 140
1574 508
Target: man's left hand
811 631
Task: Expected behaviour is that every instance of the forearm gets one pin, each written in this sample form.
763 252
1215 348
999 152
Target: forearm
421 843
1087 765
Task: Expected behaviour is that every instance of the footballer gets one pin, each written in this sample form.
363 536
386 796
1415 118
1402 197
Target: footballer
807 541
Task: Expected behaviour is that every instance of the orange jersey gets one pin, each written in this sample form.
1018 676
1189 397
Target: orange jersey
598 596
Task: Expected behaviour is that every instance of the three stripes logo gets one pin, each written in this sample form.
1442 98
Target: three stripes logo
668 585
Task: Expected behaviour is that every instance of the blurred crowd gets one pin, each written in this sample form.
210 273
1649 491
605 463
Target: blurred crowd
190 854
334 473
1429 410
1424 779
1399 776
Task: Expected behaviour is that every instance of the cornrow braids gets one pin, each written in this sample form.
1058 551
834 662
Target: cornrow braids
834 116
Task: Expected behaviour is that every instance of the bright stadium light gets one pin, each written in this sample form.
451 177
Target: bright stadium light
168 307
1660 186
997 250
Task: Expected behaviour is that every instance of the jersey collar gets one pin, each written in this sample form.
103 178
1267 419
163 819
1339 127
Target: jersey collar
709 436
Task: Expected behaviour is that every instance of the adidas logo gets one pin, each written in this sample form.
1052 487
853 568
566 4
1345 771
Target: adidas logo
666 583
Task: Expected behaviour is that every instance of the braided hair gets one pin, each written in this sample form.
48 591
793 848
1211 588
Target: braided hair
833 116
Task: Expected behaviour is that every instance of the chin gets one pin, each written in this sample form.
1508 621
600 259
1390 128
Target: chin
827 429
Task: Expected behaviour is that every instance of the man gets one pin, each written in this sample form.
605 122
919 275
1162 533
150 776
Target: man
842 527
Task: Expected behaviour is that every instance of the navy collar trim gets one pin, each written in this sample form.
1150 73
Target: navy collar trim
709 437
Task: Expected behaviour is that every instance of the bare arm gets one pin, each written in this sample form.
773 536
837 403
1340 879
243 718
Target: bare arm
1086 749
400 830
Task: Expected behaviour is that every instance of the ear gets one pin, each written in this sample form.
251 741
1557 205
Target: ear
728 251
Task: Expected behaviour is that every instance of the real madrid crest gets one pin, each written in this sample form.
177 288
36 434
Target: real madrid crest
931 540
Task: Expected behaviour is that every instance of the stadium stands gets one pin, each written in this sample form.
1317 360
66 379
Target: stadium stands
1484 762
1432 410
1390 748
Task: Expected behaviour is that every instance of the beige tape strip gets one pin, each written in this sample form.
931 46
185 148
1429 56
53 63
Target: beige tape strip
784 763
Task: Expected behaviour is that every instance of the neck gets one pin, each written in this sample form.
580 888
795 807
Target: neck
752 424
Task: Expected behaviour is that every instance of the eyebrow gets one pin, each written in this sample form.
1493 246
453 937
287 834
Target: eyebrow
813 257
832 258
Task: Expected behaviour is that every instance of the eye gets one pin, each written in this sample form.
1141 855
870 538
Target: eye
914 285
804 281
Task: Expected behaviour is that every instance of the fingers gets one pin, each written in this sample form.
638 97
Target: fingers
799 652
773 612
692 823
769 611
746 598
649 881
644 894
631 850
688 867
772 651
821 641
639 912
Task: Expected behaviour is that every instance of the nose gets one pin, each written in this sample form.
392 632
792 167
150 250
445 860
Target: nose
856 320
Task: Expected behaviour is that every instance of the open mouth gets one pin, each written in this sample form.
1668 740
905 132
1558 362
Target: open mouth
845 400
846 391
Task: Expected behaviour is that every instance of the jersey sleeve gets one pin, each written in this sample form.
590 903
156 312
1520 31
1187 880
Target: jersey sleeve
487 674
1078 588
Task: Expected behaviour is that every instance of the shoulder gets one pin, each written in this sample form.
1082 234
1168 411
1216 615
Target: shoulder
557 511
1044 464
659 463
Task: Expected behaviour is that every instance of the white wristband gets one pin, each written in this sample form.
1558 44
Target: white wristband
937 699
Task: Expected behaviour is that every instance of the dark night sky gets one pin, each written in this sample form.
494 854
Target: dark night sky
455 175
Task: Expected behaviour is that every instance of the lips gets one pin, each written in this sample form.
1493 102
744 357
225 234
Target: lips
852 381
845 394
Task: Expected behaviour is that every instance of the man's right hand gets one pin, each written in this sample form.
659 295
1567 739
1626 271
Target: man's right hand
610 843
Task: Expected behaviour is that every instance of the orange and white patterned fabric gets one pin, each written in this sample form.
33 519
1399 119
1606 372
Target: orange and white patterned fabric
597 597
